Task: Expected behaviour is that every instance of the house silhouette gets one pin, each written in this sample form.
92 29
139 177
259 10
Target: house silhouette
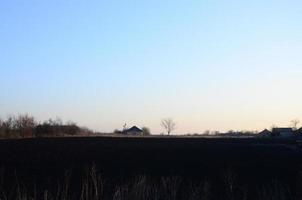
133 131
283 132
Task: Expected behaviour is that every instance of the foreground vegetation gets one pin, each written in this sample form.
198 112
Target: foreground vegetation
150 168
25 126
92 186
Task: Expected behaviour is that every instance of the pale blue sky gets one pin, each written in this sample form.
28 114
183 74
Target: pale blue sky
215 65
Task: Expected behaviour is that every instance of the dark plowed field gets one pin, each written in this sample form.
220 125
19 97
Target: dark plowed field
254 161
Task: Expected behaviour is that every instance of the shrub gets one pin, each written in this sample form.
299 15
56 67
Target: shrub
146 131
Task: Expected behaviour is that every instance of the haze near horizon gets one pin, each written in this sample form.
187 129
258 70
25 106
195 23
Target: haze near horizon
209 65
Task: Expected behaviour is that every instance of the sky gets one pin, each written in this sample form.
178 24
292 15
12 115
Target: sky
207 64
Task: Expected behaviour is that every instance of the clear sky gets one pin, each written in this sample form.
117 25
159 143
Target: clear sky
208 64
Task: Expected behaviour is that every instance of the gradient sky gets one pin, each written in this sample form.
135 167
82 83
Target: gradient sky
208 64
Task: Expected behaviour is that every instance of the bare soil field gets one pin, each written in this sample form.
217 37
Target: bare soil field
250 162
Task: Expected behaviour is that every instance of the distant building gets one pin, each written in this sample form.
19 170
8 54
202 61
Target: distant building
133 131
298 132
265 133
283 132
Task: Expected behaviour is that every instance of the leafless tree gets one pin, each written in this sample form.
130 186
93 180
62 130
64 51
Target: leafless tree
25 124
206 132
294 123
7 126
273 127
146 131
125 127
1 128
168 124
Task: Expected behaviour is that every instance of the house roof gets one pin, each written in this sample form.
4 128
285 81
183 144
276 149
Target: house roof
282 130
299 131
265 132
133 129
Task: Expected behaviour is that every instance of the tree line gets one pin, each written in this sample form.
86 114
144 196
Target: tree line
25 126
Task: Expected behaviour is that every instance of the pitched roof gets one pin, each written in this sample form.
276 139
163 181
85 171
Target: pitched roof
299 131
265 132
133 129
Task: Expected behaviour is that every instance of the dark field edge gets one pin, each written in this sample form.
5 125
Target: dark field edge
254 161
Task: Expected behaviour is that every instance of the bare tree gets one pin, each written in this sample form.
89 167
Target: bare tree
125 127
294 123
146 131
206 132
25 124
168 124
273 127
1 128
58 121
8 126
